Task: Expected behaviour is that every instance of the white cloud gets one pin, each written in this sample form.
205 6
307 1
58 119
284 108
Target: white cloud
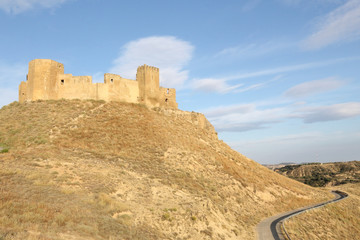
313 87
303 3
168 53
342 24
243 117
328 113
18 6
222 85
251 87
254 49
290 68
213 85
225 110
246 117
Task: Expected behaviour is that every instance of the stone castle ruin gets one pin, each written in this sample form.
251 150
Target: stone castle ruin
46 80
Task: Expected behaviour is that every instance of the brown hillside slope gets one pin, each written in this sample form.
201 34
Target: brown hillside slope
94 170
326 174
340 220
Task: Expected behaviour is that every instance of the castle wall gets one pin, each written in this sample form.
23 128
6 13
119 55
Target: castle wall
75 87
121 89
167 97
46 80
22 92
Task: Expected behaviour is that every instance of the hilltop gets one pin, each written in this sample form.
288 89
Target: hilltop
323 174
93 170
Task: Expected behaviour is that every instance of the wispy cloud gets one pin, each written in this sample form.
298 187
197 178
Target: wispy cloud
342 24
313 87
223 84
305 3
257 85
253 49
19 6
290 68
328 113
243 117
214 85
252 116
226 110
168 53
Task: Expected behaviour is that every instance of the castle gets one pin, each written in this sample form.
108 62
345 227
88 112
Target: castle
46 80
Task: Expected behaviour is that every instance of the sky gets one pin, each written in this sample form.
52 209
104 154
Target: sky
279 79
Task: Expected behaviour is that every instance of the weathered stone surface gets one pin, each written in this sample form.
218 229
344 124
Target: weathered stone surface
46 80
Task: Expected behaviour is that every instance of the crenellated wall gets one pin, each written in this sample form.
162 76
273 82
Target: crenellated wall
46 80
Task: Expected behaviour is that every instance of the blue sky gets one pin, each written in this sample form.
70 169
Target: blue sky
279 79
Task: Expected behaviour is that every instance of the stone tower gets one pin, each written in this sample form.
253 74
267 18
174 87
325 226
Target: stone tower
41 80
149 89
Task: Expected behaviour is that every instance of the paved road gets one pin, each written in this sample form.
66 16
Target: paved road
269 229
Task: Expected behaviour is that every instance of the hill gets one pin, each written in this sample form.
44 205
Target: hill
323 174
93 170
334 221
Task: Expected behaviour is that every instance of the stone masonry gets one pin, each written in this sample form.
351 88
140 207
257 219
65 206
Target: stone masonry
46 80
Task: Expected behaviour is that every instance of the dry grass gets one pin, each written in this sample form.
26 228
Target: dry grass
33 204
88 169
339 220
327 174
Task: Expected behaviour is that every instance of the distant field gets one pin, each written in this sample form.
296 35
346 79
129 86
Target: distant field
323 174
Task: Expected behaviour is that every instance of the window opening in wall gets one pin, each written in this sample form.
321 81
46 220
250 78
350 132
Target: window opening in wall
27 77
111 80
166 99
167 91
23 93
62 81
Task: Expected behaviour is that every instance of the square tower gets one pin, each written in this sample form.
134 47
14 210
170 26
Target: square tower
149 88
41 79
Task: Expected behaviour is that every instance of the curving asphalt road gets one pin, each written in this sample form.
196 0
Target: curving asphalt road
269 229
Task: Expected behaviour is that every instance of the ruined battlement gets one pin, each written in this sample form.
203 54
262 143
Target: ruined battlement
46 80
146 67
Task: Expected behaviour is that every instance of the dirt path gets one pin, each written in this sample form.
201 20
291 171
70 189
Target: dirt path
270 228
